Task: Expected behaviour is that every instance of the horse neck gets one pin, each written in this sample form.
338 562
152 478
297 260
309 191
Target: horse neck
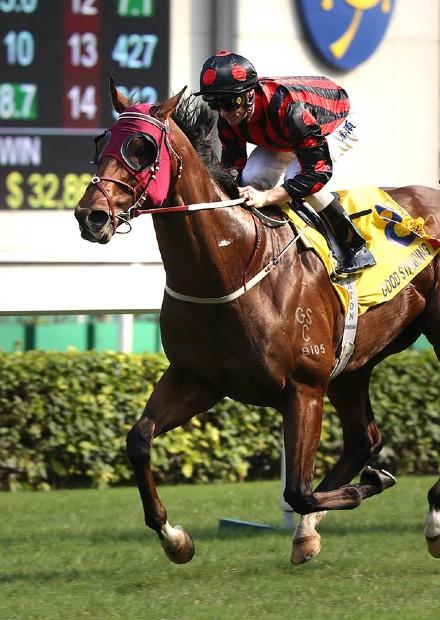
207 246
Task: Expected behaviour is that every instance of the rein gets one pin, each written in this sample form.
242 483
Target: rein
274 262
268 221
134 211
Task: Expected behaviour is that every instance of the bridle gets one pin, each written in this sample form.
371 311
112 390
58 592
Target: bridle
139 198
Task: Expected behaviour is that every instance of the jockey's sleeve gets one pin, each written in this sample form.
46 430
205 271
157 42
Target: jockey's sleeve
234 154
311 148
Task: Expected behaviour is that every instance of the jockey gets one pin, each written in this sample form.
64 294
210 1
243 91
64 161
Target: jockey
300 126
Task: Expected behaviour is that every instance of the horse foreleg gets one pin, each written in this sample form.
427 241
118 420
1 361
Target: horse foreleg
431 330
177 397
302 418
362 440
302 425
306 543
432 527
349 394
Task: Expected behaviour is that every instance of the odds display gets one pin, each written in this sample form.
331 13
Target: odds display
56 59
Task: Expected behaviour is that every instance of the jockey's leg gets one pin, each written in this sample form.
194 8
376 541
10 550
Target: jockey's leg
266 169
354 255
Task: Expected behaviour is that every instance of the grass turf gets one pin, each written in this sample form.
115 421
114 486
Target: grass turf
86 554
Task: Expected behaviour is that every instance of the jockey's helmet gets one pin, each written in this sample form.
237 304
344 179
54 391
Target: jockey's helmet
227 72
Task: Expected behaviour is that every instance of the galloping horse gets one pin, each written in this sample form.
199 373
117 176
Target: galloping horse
232 317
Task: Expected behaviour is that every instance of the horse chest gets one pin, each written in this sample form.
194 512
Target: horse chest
248 360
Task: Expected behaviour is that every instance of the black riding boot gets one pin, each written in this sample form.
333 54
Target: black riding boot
354 254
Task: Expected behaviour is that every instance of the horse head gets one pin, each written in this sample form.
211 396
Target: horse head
136 166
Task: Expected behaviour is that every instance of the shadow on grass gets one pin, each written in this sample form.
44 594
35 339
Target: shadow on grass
141 535
163 568
344 529
103 537
44 576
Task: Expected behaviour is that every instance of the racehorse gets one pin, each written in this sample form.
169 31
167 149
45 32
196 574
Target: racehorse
232 319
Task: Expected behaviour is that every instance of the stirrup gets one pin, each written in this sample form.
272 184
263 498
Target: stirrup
354 262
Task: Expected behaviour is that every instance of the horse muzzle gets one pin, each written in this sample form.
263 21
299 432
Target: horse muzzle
95 224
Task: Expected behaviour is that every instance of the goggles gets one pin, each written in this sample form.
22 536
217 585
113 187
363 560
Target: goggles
139 151
226 101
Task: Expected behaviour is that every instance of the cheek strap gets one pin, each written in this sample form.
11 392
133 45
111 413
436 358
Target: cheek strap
98 182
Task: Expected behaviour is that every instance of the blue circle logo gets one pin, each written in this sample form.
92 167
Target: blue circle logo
345 32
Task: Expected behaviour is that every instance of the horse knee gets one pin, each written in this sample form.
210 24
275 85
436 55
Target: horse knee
138 444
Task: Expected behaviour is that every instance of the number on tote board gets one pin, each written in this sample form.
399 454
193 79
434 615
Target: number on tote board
135 8
18 6
82 102
20 48
84 7
45 191
135 51
18 101
83 49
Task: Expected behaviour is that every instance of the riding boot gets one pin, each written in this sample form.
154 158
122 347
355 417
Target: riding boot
353 255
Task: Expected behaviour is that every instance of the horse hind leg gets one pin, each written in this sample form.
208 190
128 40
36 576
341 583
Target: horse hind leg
176 398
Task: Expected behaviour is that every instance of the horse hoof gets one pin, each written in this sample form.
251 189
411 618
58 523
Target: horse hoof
180 550
434 546
379 478
305 549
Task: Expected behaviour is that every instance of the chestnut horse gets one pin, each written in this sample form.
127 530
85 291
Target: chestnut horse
225 339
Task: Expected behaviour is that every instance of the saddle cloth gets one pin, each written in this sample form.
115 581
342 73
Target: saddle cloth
398 242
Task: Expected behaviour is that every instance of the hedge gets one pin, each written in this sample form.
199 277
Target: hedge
64 419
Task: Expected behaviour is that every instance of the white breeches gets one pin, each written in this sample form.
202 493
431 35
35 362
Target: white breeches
266 169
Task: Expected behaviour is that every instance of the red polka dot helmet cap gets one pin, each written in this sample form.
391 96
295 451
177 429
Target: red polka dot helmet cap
227 72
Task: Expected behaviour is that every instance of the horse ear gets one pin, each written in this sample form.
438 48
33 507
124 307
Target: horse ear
163 110
118 100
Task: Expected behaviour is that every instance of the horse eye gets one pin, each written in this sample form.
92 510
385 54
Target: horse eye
140 152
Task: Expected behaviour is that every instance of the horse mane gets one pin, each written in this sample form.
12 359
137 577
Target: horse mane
198 123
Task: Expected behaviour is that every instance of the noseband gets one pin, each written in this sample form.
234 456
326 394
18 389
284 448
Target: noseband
145 177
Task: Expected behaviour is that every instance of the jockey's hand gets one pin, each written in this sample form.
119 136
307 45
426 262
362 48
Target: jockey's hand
254 197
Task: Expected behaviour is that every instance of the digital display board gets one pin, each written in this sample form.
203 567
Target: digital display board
56 57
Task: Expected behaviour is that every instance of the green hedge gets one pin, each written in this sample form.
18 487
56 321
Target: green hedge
64 418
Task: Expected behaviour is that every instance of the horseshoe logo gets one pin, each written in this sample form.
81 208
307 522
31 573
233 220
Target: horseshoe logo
361 25
340 46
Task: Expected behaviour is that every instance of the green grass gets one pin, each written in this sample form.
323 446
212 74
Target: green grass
86 554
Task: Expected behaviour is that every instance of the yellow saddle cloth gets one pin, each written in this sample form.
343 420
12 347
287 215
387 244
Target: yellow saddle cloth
398 242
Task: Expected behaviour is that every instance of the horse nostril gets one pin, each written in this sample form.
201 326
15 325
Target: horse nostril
98 218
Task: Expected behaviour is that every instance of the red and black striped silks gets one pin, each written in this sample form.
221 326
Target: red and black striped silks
290 114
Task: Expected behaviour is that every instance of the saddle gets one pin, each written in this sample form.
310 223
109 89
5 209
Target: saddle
401 246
